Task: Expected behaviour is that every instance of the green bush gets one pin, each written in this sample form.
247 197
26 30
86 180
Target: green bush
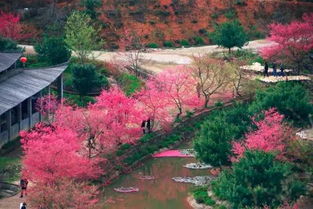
52 50
198 40
86 79
201 196
184 43
153 45
290 99
129 83
8 45
258 180
168 44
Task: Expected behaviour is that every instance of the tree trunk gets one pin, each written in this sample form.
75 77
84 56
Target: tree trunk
206 102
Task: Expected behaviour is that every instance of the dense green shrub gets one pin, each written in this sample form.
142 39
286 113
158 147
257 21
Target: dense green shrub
229 35
86 79
184 43
213 142
153 45
290 99
8 45
258 180
129 83
201 196
168 44
52 50
198 40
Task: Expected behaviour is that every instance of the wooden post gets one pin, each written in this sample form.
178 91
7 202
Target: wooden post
40 116
29 110
8 123
60 87
19 116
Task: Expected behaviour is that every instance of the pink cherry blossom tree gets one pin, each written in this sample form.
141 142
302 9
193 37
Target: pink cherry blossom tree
270 136
292 42
51 153
176 88
64 193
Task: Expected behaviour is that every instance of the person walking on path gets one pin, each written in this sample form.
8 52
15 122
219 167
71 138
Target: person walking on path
282 70
265 72
23 205
23 185
274 70
143 126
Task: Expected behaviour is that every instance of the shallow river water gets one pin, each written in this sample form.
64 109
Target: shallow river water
161 193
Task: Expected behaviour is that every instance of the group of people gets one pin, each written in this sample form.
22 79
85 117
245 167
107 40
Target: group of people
23 185
281 68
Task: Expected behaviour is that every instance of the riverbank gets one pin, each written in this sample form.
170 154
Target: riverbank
193 203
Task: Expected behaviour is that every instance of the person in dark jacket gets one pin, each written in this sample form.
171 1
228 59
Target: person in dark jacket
23 185
274 70
23 205
143 126
265 72
282 70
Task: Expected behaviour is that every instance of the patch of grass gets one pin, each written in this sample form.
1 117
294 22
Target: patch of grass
248 56
78 100
129 83
201 196
10 168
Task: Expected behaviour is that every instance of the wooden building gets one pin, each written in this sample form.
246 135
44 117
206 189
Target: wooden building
19 90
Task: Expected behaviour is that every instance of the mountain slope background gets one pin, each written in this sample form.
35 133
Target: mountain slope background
157 21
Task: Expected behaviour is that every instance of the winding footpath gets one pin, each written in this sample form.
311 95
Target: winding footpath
156 60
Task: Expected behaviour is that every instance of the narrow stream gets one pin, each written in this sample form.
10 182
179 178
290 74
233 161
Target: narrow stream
161 193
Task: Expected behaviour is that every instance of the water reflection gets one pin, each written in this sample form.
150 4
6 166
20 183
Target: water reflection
160 193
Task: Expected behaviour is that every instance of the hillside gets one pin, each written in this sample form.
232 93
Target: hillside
165 20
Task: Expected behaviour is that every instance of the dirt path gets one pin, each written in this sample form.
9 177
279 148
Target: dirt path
157 60
12 202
